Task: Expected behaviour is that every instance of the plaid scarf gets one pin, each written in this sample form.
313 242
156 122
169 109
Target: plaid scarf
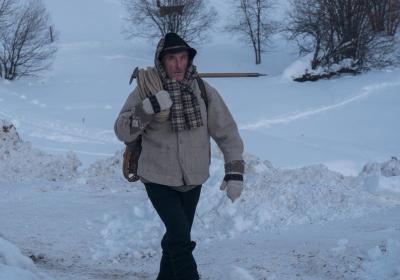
185 110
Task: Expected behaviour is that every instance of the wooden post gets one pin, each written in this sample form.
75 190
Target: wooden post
231 75
211 75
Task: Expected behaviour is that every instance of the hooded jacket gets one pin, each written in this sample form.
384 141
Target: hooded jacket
177 158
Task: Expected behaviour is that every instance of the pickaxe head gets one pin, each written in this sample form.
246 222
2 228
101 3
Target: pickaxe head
134 75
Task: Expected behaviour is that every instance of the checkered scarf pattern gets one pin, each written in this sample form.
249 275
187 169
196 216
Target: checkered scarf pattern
185 110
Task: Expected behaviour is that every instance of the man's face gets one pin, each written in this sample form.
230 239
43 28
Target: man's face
175 64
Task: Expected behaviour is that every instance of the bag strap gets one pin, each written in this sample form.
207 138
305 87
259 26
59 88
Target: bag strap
202 87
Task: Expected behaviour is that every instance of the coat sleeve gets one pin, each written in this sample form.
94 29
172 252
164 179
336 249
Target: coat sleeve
132 120
222 127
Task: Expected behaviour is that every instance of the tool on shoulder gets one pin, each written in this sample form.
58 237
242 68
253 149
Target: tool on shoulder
134 75
211 75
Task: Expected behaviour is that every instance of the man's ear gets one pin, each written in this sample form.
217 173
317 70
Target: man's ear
162 60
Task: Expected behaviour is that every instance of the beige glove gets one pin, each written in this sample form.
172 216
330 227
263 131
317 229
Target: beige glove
157 103
233 184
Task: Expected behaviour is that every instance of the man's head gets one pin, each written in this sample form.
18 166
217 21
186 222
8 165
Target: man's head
175 64
175 56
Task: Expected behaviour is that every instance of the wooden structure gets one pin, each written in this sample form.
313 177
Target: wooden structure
169 10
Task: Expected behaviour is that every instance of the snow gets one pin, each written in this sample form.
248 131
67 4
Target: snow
19 161
297 68
382 178
391 168
383 261
121 226
322 182
14 265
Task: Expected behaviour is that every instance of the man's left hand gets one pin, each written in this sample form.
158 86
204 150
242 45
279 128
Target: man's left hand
233 183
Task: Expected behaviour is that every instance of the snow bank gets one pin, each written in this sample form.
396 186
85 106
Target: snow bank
297 68
382 178
302 66
130 235
278 198
388 168
19 161
272 200
106 174
15 266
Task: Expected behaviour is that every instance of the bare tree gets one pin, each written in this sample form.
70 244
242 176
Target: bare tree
349 30
6 8
5 12
336 30
144 19
393 18
384 15
251 22
25 45
306 26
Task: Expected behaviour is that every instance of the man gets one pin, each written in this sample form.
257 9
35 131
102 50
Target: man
168 111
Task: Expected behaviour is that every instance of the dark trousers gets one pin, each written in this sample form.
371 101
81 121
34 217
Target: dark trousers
176 210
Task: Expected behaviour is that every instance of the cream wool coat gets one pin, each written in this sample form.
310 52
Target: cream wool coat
177 158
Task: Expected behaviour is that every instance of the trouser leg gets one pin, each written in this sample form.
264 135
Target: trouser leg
176 210
166 272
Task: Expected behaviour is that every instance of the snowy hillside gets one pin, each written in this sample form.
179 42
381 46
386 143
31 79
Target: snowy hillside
322 188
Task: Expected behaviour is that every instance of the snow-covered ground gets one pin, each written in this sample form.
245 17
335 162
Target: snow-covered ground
14 265
309 223
322 197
